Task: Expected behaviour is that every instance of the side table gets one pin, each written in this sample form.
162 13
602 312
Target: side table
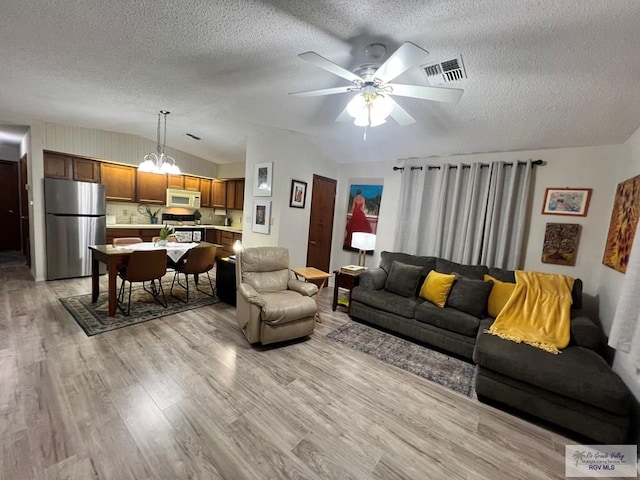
226 281
347 281
313 275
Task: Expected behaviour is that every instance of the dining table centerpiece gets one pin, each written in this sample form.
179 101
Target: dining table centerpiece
165 232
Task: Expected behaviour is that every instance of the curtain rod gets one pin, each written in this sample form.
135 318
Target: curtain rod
484 165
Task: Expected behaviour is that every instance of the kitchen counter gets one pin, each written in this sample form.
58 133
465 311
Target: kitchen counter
159 226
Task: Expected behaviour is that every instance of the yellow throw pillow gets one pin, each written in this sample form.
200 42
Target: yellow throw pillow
436 287
500 293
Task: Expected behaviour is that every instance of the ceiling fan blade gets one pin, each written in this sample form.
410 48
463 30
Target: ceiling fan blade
406 56
324 91
400 115
437 94
344 117
329 66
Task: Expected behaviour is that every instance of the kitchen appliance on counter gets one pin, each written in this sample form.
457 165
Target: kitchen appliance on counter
76 218
185 227
183 198
228 221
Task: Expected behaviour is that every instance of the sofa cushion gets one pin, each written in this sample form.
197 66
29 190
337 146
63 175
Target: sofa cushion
470 296
286 306
500 293
386 301
448 319
470 271
436 287
403 279
387 258
585 333
577 372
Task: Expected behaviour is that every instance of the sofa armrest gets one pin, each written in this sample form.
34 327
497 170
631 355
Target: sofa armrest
250 294
304 288
585 333
373 279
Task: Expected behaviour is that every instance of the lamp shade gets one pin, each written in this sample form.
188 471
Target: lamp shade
363 241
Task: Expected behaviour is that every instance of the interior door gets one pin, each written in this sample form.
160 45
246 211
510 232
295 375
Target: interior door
323 201
9 206
24 210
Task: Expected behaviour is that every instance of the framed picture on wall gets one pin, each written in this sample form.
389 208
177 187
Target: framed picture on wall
566 201
561 243
298 194
261 216
262 177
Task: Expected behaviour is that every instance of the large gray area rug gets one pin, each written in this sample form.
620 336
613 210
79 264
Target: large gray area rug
93 318
450 372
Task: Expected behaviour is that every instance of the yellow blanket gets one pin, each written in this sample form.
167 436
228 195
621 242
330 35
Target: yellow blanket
538 311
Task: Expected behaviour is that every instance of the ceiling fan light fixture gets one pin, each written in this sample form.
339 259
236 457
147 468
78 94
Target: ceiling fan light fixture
369 109
158 161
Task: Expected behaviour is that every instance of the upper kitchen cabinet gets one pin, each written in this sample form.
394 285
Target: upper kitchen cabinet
192 184
85 170
152 188
68 167
235 194
175 181
119 181
205 192
57 165
219 194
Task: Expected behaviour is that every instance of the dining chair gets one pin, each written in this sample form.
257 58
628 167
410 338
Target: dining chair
121 241
199 260
144 266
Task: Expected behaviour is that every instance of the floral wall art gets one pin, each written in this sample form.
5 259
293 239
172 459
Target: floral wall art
622 227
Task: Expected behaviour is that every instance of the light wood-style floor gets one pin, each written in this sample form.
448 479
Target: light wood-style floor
185 397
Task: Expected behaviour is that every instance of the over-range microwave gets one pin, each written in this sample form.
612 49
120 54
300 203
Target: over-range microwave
182 198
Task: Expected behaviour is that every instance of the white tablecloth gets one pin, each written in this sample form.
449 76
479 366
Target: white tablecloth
175 250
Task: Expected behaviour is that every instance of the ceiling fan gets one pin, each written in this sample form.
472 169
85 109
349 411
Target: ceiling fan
373 103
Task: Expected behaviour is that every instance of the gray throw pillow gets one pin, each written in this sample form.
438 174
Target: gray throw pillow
470 296
470 271
403 279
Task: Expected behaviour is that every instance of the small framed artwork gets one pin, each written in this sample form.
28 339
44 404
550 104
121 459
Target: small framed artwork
262 176
566 201
298 194
561 243
261 216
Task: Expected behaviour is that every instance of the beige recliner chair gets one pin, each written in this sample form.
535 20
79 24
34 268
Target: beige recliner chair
271 306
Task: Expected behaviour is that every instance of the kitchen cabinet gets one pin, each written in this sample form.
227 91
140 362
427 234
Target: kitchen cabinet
152 188
86 170
175 181
119 182
219 194
230 201
239 198
227 240
192 184
57 165
205 192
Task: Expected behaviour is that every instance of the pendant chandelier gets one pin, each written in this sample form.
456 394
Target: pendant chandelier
158 161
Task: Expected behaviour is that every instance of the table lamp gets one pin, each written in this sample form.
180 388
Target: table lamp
363 242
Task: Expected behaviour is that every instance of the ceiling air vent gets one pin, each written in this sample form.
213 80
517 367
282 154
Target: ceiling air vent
445 72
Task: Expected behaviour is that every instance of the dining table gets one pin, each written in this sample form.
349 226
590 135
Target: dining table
116 256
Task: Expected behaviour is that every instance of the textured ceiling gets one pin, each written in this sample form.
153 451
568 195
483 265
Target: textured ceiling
541 74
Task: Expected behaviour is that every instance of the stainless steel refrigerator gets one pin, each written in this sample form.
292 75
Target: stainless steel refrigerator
75 219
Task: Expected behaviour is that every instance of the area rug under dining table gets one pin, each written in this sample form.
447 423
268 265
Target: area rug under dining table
94 319
450 372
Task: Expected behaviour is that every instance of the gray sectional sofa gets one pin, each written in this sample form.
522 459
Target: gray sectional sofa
575 389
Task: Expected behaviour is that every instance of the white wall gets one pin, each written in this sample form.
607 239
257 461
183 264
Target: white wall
293 158
10 152
231 170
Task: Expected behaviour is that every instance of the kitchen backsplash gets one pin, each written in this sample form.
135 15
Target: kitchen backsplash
127 213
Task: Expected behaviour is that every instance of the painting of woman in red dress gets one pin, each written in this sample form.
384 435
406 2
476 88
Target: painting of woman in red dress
364 207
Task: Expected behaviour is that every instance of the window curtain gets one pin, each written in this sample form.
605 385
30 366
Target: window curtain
625 330
472 214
